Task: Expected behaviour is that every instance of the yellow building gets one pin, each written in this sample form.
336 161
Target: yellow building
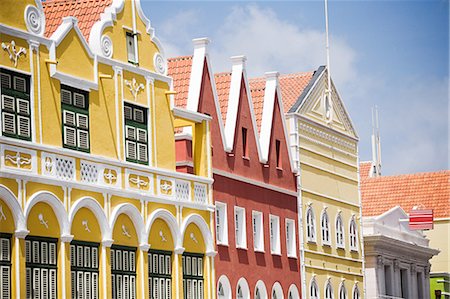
324 146
91 205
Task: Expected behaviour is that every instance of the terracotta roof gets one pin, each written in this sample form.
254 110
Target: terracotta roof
428 190
257 89
292 87
223 81
86 11
179 68
364 169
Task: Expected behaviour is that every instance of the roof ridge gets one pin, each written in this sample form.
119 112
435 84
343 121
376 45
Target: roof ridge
178 58
418 174
222 74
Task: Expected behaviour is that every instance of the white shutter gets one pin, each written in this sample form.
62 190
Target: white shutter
194 289
87 285
80 284
44 253
168 289
161 264
82 121
8 103
131 150
141 135
36 282
52 251
189 288
5 250
94 286
112 257
130 132
28 282
79 256
126 287
23 107
131 48
132 287
87 257
188 265
142 152
9 123
72 255
200 266
69 118
126 265
132 262
162 292
36 252
138 115
128 112
66 97
194 266
150 269
113 286
44 283
168 265
78 100
119 286
155 263
155 288
69 136
119 260
53 287
95 258
83 139
24 126
20 84
27 251
200 289
73 281
6 282
5 81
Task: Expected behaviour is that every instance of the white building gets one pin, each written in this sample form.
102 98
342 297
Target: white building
397 258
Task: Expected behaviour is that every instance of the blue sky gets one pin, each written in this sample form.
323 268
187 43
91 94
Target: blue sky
393 54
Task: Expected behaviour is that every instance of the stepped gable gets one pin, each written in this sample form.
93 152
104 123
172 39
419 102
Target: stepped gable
86 11
179 68
430 190
223 81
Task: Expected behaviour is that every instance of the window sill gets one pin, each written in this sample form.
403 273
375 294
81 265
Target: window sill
292 256
225 244
355 250
241 247
246 158
326 245
280 169
311 241
275 253
340 248
259 250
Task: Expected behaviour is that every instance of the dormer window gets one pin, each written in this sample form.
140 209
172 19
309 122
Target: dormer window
132 47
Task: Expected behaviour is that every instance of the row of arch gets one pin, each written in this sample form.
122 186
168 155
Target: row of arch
65 219
224 290
326 229
314 291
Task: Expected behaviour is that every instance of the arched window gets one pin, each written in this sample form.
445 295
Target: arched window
240 295
356 294
242 291
328 291
325 225
257 294
274 295
277 291
339 232
260 290
313 290
220 291
342 292
223 288
310 225
353 235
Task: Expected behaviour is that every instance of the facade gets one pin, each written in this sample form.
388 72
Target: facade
396 258
254 186
91 204
430 190
324 148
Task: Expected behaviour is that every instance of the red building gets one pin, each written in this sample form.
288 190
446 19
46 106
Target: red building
254 187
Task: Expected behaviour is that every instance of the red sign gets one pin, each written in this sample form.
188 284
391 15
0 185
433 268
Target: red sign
421 219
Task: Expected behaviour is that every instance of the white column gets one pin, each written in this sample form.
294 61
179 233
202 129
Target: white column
413 282
17 236
143 249
105 244
64 239
396 279
381 280
178 291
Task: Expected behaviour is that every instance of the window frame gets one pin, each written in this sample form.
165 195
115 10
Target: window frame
5 264
189 277
16 95
115 272
221 212
165 277
314 284
77 111
136 126
291 241
356 292
326 228
75 270
328 290
310 225
240 233
258 223
275 243
342 291
353 235
339 225
133 36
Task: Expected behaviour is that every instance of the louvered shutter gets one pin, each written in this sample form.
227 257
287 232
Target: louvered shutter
142 152
200 266
78 100
36 282
132 287
113 259
73 281
130 132
28 283
200 289
80 284
118 260
79 256
138 115
88 285
94 286
162 292
44 283
161 264
131 150
52 252
72 255
69 118
44 253
5 81
119 286
8 103
194 289
66 97
70 136
82 121
23 107
5 250
128 113
126 264
87 257
150 264
155 288
36 252
188 265
113 286
155 263
24 126
9 123
6 282
126 287
95 258
132 261
194 266
168 265
168 289
141 135
20 84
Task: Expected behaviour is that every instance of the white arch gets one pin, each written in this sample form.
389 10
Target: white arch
354 290
11 201
330 286
58 208
170 220
278 291
97 210
242 282
262 289
312 282
293 291
226 286
135 216
200 222
343 291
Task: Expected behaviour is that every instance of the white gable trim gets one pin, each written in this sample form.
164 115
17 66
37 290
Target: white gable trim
267 115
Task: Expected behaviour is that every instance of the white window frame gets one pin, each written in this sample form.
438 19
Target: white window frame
274 228
314 284
353 235
326 228
310 225
342 291
258 235
222 231
240 229
5 266
328 285
340 221
291 242
357 292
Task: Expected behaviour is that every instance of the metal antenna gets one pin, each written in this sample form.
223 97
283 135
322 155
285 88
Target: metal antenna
376 144
328 102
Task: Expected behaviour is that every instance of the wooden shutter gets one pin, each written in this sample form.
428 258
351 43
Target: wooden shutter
113 286
66 97
8 103
52 252
53 286
20 84
130 132
128 113
138 115
5 249
113 259
72 255
126 264
73 281
5 81
28 282
95 257
6 282
200 266
168 265
9 123
82 121
70 136
78 100
168 288
23 126
142 152
44 283
94 286
80 284
141 135
132 287
88 285
131 150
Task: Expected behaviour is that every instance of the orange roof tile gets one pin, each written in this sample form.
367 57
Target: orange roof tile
364 169
179 68
429 190
223 81
257 89
292 86
86 11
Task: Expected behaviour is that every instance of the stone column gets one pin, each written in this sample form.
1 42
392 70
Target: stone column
413 283
396 288
381 284
106 271
65 239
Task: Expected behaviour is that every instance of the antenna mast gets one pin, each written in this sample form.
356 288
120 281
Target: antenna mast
376 144
328 102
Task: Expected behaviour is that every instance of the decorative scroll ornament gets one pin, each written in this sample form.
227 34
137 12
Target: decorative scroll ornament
193 238
110 176
163 238
106 46
86 226
134 87
34 20
125 231
43 221
138 181
2 215
14 55
48 164
166 187
160 64
18 160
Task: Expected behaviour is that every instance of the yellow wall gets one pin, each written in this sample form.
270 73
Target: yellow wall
439 238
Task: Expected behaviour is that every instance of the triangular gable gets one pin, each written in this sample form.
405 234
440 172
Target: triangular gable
311 104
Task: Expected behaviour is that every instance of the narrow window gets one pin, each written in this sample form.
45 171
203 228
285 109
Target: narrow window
275 234
41 267
313 290
15 105
240 230
244 142
290 238
192 275
131 48
342 292
159 274
221 223
84 269
310 225
325 227
353 235
328 291
277 149
356 294
339 232
5 265
123 272
75 116
258 235
136 133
